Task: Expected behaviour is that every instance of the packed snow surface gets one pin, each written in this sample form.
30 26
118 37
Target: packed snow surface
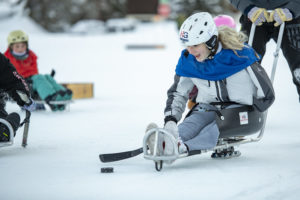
61 160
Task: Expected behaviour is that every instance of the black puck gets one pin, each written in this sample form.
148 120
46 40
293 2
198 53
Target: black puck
107 170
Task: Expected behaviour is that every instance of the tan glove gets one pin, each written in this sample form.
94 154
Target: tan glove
281 15
258 16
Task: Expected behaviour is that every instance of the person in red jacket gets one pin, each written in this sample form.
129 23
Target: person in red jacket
25 62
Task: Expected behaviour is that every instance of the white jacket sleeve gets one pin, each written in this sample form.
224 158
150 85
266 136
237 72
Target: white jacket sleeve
177 97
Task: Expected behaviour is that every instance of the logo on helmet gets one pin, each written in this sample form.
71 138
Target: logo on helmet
184 36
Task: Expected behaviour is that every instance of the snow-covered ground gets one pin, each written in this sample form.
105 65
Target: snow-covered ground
61 161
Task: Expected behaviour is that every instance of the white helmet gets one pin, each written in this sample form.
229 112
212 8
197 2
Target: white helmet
198 28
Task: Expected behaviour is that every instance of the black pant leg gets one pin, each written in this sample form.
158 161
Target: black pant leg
291 49
3 113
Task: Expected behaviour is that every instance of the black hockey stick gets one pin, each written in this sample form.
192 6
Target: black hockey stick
112 157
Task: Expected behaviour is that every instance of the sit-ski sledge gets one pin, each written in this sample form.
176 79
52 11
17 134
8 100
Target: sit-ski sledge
232 132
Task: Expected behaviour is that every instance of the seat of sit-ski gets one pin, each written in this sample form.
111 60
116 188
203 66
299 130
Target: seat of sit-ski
239 121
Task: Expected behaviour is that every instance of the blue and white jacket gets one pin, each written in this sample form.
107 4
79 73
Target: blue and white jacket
228 77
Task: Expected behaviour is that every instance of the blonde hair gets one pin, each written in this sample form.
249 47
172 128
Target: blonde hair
231 39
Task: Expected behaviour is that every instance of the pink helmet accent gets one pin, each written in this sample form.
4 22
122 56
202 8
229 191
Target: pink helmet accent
225 20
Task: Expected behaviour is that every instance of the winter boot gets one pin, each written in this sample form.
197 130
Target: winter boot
66 94
60 97
4 133
14 120
49 99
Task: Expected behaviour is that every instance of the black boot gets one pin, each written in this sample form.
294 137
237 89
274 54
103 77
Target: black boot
50 98
14 120
4 133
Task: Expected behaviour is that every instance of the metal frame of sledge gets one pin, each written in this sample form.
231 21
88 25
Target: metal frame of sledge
156 156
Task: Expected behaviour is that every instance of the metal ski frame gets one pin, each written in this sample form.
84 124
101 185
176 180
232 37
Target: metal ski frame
155 156
222 144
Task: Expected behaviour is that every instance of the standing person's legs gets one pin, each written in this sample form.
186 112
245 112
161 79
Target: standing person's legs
291 49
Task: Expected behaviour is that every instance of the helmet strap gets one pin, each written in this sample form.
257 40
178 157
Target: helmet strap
212 44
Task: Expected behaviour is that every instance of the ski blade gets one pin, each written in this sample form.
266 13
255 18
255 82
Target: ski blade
112 157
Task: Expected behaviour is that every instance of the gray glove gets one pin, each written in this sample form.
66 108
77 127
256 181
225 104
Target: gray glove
281 15
258 16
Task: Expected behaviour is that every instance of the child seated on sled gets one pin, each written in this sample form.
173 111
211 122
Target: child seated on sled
15 86
225 70
25 61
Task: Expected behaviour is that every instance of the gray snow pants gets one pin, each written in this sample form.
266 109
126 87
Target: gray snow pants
199 130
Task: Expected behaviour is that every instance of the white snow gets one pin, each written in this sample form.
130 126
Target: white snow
61 161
